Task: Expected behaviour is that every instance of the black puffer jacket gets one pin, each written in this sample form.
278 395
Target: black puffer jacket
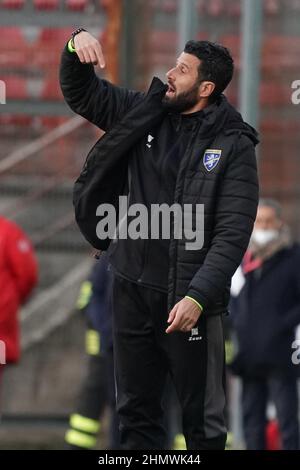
229 190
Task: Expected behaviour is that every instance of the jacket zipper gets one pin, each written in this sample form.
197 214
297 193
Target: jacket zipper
179 202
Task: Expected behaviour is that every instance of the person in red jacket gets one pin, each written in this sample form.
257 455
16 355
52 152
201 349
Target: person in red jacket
18 276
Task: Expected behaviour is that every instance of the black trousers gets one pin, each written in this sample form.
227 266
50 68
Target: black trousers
281 388
144 354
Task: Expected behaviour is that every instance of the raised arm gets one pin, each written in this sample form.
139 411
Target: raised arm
94 98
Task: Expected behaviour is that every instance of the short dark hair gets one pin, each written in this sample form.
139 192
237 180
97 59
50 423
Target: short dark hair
216 64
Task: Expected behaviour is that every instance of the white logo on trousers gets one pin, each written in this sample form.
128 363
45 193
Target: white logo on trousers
194 335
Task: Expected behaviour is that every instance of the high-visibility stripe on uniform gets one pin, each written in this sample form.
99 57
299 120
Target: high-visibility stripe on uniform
82 423
229 351
229 441
80 439
92 342
179 442
84 295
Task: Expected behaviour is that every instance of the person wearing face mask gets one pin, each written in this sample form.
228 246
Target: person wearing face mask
265 309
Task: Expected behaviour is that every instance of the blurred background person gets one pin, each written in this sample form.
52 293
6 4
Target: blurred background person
98 389
265 314
18 277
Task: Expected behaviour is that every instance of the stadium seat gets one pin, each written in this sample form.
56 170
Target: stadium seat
11 35
232 42
78 5
46 4
281 50
271 7
163 41
215 7
272 94
233 7
14 50
13 4
281 44
16 87
278 127
275 94
15 120
200 5
277 50
50 122
202 36
47 49
55 35
169 6
51 90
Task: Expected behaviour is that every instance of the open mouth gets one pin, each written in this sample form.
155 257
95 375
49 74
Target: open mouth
171 90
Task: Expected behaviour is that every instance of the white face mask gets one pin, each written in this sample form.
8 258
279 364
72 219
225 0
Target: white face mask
263 237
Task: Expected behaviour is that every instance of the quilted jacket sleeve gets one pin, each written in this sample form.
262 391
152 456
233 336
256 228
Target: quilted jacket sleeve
235 214
96 99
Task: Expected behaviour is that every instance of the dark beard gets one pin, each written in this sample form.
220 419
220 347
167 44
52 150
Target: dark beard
183 102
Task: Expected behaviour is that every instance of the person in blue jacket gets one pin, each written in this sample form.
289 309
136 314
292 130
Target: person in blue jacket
98 388
265 311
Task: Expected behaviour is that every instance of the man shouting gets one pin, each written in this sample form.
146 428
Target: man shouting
178 144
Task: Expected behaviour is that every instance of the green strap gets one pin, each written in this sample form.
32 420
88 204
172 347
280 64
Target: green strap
195 301
71 47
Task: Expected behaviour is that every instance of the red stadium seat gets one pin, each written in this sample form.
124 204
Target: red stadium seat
11 35
15 120
271 7
163 41
215 7
271 94
78 5
233 7
201 6
13 4
55 35
51 90
277 50
47 49
232 42
16 87
46 4
281 44
278 126
14 50
50 122
169 6
275 94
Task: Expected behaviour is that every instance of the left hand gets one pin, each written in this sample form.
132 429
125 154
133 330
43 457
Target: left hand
183 316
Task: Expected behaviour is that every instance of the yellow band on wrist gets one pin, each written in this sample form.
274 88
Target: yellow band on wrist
195 301
71 47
